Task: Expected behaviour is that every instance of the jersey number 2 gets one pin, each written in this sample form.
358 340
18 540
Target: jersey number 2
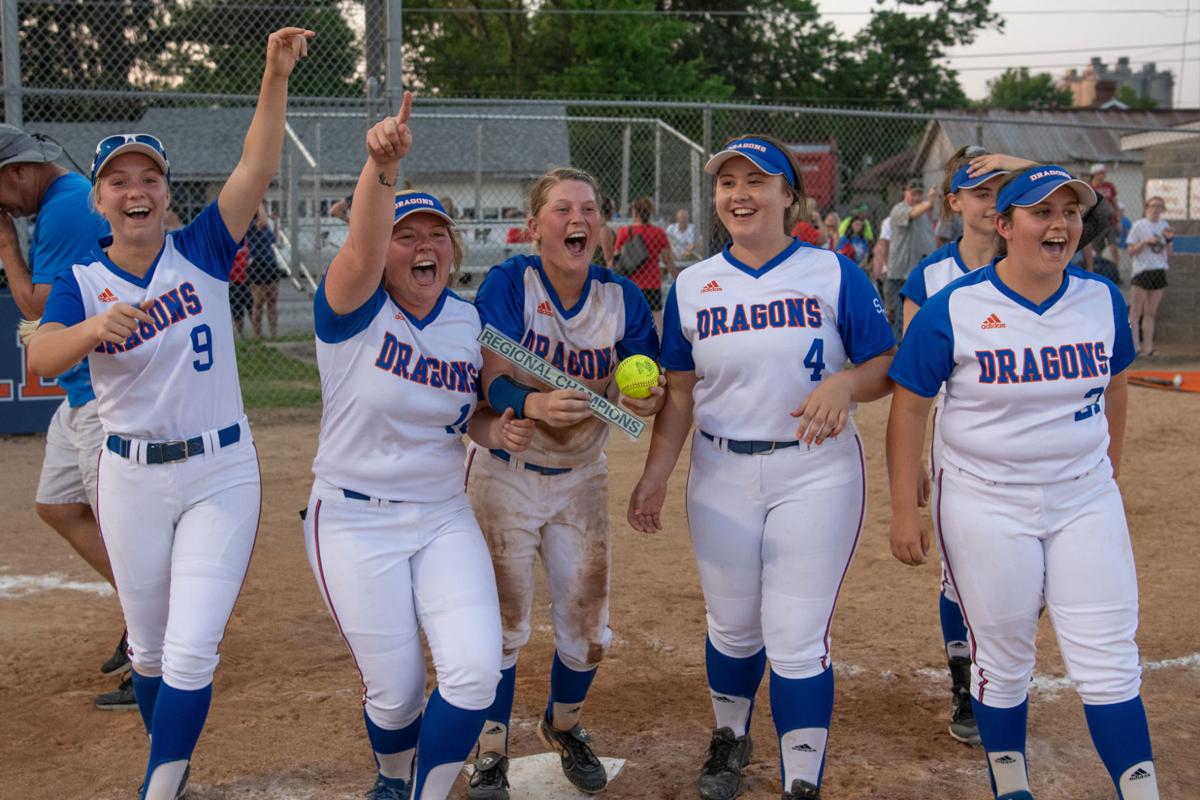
815 360
1091 408
202 345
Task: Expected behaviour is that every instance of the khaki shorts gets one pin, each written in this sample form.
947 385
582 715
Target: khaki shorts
73 444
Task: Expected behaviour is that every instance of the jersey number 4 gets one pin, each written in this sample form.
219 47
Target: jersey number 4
815 360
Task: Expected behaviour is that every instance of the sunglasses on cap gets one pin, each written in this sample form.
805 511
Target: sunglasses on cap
112 146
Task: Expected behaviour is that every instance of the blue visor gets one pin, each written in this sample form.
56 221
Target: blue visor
415 202
112 146
1037 183
764 155
962 180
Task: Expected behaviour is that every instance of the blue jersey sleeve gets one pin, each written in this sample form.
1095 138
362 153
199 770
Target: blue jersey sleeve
676 349
640 337
1123 353
332 328
60 241
861 322
914 287
501 298
207 244
65 303
926 356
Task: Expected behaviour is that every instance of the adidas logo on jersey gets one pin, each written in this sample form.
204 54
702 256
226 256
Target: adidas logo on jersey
544 308
107 296
1139 774
992 322
711 286
804 747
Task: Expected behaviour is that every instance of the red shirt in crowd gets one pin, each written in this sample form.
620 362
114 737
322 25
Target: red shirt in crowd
807 233
649 275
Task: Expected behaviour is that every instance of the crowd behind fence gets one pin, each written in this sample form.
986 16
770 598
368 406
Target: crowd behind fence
480 156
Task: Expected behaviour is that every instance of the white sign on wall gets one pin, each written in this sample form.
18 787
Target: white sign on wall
1195 201
1174 192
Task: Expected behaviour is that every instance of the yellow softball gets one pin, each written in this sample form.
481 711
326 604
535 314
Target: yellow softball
636 376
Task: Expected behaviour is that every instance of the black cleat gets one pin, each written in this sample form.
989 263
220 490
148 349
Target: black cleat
120 699
579 763
721 775
119 661
489 781
388 789
802 790
963 726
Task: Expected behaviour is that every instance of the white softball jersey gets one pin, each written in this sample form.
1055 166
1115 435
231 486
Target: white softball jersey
397 392
1024 382
177 377
760 340
933 273
609 322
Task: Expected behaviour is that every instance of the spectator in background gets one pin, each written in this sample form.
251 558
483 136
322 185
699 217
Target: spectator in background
648 277
949 228
808 227
608 239
240 300
879 254
854 245
448 204
682 235
263 274
1151 241
341 209
912 240
858 212
831 230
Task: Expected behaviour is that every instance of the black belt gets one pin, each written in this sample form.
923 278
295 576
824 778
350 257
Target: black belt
503 455
749 447
172 452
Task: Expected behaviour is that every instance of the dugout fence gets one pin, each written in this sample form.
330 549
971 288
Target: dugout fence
188 72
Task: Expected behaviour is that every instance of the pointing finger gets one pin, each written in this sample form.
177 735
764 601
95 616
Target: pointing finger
405 108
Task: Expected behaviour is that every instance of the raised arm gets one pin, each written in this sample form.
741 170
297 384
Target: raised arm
358 267
247 184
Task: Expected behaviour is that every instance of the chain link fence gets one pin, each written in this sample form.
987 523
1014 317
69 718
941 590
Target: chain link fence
188 71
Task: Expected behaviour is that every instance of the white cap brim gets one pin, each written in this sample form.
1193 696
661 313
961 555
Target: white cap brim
134 147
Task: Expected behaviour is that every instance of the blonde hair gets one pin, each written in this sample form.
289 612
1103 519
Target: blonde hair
953 165
800 202
539 193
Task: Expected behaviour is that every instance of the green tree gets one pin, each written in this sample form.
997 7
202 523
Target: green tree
470 52
219 46
1018 90
1129 96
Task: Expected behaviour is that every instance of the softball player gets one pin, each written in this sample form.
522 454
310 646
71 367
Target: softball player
553 500
1031 353
969 188
178 488
767 324
391 539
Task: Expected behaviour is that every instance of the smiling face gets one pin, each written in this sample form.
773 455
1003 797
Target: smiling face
977 205
420 259
132 194
565 226
750 203
1042 238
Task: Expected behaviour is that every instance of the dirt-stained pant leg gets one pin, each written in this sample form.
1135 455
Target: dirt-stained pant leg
510 515
577 553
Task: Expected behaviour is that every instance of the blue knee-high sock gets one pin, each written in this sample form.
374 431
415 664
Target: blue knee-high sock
954 628
179 716
733 678
1121 736
388 742
447 735
802 709
568 687
1002 730
146 691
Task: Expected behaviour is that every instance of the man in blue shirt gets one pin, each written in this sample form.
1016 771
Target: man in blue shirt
66 231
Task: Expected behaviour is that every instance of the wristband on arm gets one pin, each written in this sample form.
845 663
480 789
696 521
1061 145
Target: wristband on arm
505 393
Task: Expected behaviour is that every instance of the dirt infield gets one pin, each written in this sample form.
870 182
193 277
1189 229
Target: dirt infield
287 723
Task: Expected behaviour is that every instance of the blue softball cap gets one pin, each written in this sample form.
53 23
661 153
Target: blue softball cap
1037 183
764 155
418 202
962 180
112 146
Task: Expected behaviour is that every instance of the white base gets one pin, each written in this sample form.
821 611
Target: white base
541 777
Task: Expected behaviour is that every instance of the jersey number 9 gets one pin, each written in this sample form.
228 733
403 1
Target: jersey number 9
202 345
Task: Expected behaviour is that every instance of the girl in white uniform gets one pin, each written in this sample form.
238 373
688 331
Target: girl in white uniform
754 338
1031 353
969 189
178 487
391 539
